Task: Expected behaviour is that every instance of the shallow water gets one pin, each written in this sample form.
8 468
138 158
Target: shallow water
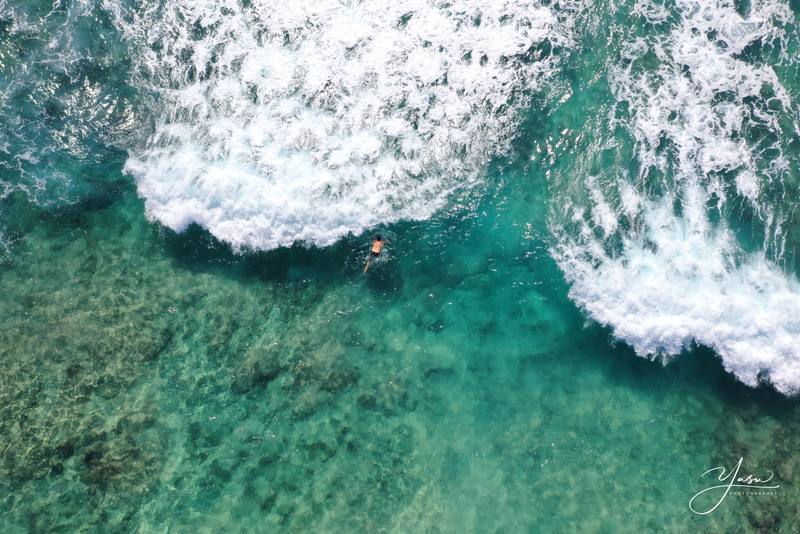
155 381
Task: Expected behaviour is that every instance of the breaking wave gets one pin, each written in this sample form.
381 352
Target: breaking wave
308 120
689 243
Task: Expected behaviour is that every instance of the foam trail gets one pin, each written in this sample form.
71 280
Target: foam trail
308 120
655 255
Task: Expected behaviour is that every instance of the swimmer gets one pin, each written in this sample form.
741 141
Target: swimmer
375 251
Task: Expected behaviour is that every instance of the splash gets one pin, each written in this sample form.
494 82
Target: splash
308 120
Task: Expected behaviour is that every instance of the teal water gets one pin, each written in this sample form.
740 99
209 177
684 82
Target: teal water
155 381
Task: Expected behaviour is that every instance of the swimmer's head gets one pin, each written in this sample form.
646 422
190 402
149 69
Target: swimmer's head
378 237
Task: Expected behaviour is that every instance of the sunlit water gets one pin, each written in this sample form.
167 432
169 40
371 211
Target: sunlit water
155 381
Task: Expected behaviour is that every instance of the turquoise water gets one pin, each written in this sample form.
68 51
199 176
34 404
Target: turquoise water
157 381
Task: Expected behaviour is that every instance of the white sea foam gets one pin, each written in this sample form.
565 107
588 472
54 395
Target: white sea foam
684 285
309 119
671 278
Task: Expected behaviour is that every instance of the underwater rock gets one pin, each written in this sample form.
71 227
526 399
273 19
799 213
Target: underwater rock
267 502
73 371
368 401
766 519
126 459
306 404
389 397
100 467
321 452
339 379
202 436
221 470
256 371
66 450
439 373
268 458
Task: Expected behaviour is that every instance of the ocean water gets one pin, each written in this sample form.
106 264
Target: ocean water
589 295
